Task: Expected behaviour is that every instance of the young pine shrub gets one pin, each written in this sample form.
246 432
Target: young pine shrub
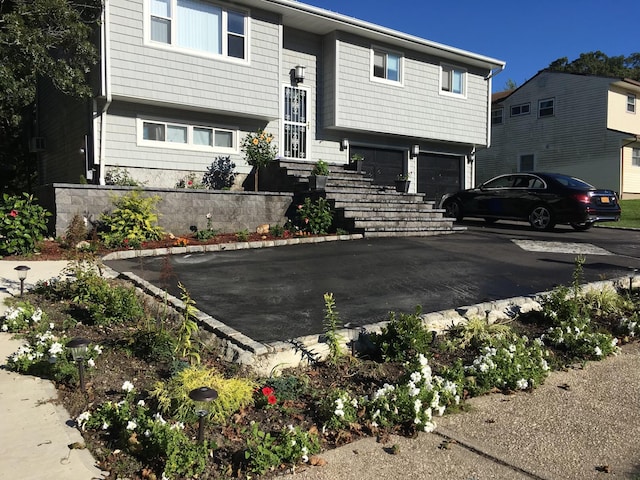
173 396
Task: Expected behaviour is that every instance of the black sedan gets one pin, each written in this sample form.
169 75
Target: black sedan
542 199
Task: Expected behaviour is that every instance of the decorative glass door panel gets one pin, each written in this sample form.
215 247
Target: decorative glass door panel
295 122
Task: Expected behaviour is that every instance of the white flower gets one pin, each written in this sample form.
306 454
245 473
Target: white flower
304 458
105 426
82 419
597 351
416 377
417 405
97 349
127 386
141 403
208 216
158 418
37 315
91 363
131 425
5 327
55 349
429 427
522 384
339 413
52 326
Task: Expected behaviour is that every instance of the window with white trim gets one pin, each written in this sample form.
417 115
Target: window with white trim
453 80
631 103
635 157
497 116
199 25
386 65
522 109
194 137
546 107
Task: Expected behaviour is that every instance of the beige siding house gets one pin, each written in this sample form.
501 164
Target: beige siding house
581 125
180 83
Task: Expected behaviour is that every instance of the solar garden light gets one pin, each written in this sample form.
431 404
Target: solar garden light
22 276
202 395
632 275
78 347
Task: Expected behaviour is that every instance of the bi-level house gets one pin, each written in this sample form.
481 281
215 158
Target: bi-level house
582 125
181 82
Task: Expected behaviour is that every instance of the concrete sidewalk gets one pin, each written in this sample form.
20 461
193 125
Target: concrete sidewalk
581 424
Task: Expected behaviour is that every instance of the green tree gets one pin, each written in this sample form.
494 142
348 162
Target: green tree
598 63
40 40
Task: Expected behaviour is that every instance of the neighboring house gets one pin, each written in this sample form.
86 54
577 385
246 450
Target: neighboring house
581 125
181 82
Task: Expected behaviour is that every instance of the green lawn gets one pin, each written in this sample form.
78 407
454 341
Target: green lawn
630 217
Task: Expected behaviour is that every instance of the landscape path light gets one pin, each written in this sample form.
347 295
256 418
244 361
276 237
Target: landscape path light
202 395
632 275
79 347
22 270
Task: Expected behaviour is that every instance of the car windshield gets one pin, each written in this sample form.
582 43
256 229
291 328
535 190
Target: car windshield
571 182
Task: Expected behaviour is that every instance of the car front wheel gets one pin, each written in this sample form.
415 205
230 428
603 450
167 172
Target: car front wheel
453 210
541 218
581 227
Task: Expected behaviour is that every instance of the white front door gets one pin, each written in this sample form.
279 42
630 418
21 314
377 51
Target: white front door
295 122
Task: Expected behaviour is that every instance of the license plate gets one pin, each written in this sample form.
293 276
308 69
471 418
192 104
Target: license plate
604 199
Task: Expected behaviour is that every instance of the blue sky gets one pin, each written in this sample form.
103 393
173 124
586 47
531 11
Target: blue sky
527 35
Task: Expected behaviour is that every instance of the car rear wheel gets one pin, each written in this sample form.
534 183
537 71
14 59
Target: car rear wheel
581 227
541 218
453 209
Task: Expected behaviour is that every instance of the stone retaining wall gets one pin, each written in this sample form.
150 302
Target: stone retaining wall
231 211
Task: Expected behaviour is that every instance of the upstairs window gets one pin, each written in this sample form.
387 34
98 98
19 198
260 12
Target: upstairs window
453 80
199 25
631 103
546 107
497 116
522 109
386 65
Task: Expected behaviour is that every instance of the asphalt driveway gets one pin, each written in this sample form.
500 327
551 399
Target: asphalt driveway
272 294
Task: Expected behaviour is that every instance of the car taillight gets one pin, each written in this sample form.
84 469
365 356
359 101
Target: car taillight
582 197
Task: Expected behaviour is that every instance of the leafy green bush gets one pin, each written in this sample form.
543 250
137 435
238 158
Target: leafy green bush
23 224
403 337
132 221
507 364
475 333
242 235
121 177
315 217
21 317
206 234
162 444
289 446
219 174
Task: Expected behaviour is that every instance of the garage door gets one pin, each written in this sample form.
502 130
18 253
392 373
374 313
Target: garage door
438 174
383 166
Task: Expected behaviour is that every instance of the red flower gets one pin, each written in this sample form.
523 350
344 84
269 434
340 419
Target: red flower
267 391
14 213
190 183
272 399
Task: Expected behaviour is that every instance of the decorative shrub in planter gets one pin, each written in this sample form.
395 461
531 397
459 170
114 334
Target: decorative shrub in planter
319 175
356 160
402 183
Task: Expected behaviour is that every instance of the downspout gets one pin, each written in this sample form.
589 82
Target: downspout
105 53
489 78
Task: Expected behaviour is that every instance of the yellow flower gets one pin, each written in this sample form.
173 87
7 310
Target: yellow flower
255 141
268 139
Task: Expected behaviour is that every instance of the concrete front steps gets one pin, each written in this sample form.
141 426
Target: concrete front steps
372 210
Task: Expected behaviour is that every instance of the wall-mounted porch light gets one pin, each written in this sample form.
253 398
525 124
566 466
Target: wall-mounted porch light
415 151
298 73
344 144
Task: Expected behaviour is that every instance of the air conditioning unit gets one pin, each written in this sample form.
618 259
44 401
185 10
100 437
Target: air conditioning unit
37 144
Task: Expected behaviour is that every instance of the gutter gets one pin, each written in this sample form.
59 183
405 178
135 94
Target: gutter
105 88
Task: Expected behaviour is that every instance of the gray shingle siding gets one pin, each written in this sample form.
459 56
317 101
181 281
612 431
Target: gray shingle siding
189 79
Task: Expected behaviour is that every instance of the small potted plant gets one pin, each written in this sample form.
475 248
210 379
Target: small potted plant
402 183
356 160
319 175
